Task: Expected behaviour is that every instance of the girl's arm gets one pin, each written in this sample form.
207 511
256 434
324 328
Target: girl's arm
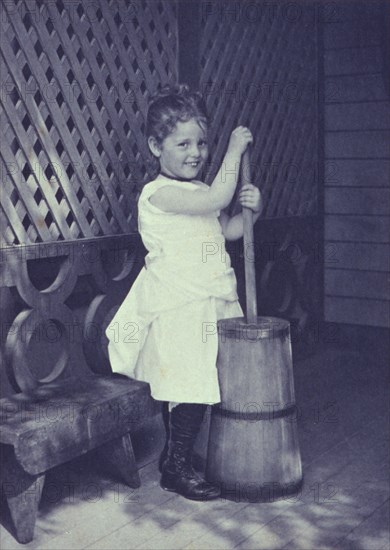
221 191
250 197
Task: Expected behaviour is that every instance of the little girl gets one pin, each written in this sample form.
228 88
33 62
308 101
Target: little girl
183 287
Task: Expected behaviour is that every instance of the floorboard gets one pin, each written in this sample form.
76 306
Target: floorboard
343 425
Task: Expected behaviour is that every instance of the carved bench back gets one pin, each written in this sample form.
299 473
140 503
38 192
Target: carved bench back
57 301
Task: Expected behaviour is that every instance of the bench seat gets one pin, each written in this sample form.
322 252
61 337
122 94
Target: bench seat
59 421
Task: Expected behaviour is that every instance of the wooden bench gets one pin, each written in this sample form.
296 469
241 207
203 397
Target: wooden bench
60 421
59 398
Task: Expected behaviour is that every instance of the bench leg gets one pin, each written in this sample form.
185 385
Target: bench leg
23 493
120 455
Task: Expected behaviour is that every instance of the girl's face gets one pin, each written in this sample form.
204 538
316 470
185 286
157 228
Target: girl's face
184 151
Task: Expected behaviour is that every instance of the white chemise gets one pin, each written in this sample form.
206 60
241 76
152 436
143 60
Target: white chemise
187 284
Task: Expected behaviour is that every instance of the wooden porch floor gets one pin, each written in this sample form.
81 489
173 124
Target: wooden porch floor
342 393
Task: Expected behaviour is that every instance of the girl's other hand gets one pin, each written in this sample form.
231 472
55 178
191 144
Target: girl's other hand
250 197
239 140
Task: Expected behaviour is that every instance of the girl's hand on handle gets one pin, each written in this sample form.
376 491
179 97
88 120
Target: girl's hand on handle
239 140
250 197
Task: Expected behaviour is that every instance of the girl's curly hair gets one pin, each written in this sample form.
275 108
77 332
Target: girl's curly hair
170 105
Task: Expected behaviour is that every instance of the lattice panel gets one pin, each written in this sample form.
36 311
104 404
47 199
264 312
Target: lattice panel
76 77
259 68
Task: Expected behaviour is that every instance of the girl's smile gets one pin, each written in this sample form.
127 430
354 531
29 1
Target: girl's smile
184 151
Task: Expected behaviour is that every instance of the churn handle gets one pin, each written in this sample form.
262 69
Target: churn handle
249 247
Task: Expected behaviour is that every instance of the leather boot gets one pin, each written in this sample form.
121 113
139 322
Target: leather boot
178 474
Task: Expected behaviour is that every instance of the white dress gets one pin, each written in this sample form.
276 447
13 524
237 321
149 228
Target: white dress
166 328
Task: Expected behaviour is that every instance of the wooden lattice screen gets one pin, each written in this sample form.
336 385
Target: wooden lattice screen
258 67
75 80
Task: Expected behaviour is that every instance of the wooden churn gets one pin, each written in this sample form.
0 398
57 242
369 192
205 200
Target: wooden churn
253 450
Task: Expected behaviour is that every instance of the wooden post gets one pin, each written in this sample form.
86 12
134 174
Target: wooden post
249 248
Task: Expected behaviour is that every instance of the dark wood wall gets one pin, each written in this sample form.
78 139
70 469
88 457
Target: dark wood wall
357 161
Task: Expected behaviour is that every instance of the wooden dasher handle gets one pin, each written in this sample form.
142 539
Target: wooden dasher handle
249 248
